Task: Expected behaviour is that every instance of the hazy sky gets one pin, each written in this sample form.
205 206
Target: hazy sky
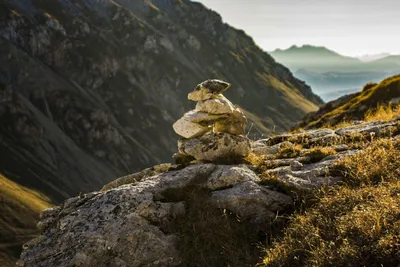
350 27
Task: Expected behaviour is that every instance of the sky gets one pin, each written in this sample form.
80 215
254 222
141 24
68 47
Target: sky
349 27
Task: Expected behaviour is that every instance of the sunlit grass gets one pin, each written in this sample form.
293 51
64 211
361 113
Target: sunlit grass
355 224
383 112
19 209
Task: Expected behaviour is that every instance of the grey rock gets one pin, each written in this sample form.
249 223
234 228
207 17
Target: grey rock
286 162
181 158
235 123
377 128
296 165
302 137
225 176
189 129
129 225
252 201
340 148
312 175
261 148
325 139
215 147
51 212
218 105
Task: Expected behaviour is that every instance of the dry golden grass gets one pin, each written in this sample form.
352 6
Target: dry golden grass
356 224
383 112
291 151
342 124
19 209
22 196
255 160
380 162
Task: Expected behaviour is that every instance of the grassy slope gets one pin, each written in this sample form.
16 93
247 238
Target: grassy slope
19 209
354 107
355 224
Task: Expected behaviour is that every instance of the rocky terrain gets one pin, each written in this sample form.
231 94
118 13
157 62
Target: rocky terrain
200 214
90 89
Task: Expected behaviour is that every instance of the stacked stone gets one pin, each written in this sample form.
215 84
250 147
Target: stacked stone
214 129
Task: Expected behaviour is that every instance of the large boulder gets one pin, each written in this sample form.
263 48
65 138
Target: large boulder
216 147
131 225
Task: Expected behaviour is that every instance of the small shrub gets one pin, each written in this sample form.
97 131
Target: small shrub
369 85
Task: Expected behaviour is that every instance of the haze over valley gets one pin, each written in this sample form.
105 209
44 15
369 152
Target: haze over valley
332 75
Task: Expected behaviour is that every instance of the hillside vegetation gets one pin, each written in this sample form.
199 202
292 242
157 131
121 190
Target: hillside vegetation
383 96
355 224
19 209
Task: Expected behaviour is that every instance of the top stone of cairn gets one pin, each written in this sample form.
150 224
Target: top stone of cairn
208 89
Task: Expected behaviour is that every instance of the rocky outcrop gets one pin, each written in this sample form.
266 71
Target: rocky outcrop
137 220
130 225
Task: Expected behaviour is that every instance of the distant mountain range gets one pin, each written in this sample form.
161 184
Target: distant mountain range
331 74
372 57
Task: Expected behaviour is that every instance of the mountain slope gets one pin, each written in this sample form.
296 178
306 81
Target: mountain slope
90 89
388 62
372 57
355 106
19 211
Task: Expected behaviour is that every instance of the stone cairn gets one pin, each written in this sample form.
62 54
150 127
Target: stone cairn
214 130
